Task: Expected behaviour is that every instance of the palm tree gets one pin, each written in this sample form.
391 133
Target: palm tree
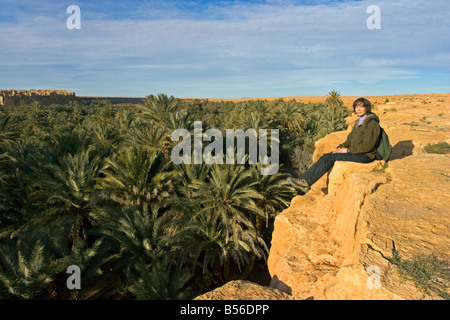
144 135
125 121
106 139
276 193
8 130
24 273
12 196
20 166
290 116
221 215
144 251
325 124
63 191
192 177
139 232
159 107
160 282
90 260
70 142
232 195
342 113
136 175
180 119
103 113
333 101
254 121
34 115
27 267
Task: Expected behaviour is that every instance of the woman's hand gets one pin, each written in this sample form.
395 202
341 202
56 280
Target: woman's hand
341 150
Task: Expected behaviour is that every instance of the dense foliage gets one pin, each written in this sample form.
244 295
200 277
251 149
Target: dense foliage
94 186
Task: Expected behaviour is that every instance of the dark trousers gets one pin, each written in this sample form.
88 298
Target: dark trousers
326 162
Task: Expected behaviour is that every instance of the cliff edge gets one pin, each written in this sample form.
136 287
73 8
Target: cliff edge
342 240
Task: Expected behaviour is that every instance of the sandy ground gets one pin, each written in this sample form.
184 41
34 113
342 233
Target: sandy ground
376 100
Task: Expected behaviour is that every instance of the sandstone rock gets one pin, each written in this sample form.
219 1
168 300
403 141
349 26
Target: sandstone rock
243 290
343 171
313 236
336 241
353 283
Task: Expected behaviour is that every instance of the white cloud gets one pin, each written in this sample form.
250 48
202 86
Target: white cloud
260 48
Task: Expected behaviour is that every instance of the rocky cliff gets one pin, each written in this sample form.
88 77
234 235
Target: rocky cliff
345 238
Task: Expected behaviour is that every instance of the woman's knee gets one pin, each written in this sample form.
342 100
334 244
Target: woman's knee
328 159
326 156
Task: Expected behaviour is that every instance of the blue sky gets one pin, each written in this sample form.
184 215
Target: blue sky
226 49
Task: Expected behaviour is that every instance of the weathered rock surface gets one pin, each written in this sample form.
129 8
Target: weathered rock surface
244 290
334 243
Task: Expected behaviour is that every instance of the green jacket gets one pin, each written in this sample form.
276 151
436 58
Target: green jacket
364 138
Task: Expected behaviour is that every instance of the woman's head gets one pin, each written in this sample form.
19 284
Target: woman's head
363 105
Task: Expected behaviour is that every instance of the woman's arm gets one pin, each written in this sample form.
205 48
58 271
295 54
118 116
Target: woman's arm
347 143
341 150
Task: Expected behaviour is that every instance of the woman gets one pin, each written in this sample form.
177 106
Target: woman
360 146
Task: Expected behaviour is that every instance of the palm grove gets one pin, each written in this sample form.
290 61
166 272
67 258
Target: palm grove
93 185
